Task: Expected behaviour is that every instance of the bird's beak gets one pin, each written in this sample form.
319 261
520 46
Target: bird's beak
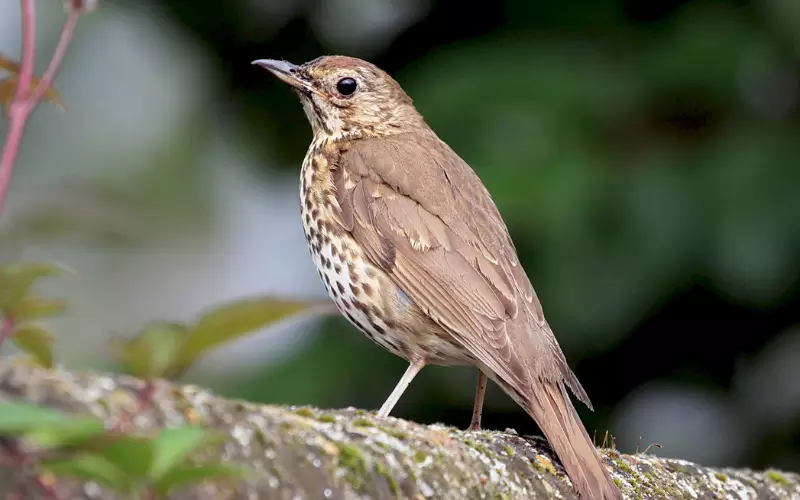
288 73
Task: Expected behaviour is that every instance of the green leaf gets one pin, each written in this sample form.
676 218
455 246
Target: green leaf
46 428
71 432
32 307
18 418
173 445
239 318
183 475
16 280
90 467
132 454
36 341
152 352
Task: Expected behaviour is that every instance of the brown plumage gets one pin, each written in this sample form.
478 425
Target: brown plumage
414 252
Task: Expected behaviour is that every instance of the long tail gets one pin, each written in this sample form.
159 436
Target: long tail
551 408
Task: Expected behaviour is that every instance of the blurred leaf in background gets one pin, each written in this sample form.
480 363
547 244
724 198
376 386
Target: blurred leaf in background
167 350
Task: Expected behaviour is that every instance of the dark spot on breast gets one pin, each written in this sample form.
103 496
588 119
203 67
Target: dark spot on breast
356 290
315 213
378 329
367 289
346 303
324 261
337 268
350 317
313 232
334 250
308 203
370 272
327 280
308 220
340 286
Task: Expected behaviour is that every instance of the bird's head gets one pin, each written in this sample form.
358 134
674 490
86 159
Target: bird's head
346 97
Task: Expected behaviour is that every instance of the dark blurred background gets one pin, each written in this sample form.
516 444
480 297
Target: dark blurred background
645 155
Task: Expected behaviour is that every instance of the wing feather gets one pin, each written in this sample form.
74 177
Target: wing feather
425 218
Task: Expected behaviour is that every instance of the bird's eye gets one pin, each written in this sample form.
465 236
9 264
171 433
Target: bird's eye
346 86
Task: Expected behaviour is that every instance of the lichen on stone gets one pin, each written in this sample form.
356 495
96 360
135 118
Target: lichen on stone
306 452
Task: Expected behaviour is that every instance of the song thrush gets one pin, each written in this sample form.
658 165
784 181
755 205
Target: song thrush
414 252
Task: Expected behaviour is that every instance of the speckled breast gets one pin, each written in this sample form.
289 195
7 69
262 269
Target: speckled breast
356 287
362 292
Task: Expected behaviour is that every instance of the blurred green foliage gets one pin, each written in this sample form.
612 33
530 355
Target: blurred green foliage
168 349
84 448
633 167
120 461
20 307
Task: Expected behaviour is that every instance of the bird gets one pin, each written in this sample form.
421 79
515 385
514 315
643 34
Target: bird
414 252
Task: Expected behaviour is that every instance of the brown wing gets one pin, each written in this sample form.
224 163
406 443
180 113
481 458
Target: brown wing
422 214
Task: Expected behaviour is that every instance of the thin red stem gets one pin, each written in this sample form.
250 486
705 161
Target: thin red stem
19 109
25 101
19 458
28 49
58 56
16 128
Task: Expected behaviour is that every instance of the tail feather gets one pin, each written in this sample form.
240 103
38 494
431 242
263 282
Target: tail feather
551 408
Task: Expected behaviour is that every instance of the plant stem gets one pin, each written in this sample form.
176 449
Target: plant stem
58 56
28 49
14 456
19 110
25 98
